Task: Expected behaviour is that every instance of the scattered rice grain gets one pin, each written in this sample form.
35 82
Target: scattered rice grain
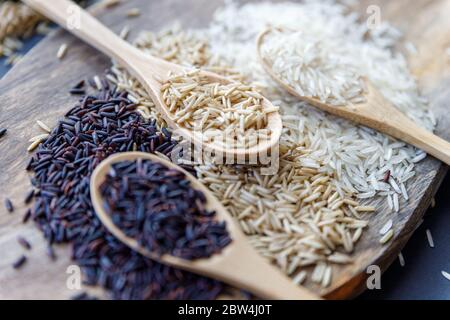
387 237
62 51
430 238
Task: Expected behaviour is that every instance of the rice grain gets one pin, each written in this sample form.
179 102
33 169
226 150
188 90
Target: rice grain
387 237
386 227
43 126
401 259
446 275
62 51
430 238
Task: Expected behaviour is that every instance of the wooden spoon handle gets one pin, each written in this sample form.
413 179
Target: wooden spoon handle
376 113
84 26
408 131
80 23
383 116
247 269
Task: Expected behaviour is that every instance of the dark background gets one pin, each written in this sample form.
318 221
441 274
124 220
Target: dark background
421 276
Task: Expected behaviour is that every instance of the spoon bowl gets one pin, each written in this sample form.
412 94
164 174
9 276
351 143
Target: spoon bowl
151 72
237 264
274 122
376 112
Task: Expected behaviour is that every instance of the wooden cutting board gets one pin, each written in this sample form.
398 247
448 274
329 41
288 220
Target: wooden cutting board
36 89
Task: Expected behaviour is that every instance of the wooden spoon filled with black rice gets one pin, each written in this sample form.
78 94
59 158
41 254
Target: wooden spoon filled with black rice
164 213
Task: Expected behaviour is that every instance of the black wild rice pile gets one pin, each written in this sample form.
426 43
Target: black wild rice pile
95 128
158 207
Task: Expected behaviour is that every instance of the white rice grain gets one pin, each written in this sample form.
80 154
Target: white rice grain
62 51
446 275
430 238
401 259
386 227
43 126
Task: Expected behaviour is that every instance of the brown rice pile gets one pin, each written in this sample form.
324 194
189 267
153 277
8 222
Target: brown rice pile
229 115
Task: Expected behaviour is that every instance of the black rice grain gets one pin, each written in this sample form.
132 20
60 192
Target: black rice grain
26 216
19 262
77 91
29 197
2 132
9 206
79 85
387 176
62 167
158 207
83 296
24 243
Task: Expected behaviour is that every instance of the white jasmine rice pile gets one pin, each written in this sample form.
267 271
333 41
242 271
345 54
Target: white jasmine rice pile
308 216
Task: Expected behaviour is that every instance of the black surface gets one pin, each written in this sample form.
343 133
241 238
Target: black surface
421 277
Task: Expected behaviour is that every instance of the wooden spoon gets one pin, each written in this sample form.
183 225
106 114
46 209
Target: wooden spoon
150 71
376 113
238 264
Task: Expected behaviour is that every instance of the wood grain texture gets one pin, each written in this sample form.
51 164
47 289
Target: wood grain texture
37 89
